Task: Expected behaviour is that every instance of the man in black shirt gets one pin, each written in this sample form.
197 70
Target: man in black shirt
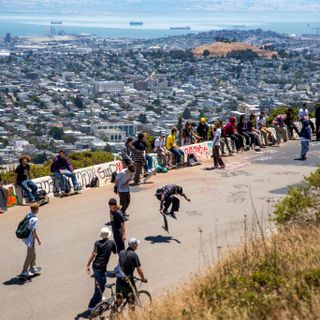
117 224
317 116
100 258
23 178
129 262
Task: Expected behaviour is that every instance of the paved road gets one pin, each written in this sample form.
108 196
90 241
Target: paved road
68 228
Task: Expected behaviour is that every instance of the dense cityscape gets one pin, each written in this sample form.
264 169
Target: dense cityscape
81 92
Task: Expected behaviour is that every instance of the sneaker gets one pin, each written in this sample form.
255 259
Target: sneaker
62 193
90 309
77 188
222 167
301 159
26 274
35 270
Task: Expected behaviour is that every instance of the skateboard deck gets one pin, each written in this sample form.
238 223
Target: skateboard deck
28 278
165 222
72 193
146 178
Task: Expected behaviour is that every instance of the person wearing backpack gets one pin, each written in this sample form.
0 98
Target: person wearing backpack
99 259
129 262
29 266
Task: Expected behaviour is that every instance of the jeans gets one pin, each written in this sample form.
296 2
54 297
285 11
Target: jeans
100 280
304 149
26 185
216 157
148 165
281 131
62 177
175 204
137 173
178 153
124 201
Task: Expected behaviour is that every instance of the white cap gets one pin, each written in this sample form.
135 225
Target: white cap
133 241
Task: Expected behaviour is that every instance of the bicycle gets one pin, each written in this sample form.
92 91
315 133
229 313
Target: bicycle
109 308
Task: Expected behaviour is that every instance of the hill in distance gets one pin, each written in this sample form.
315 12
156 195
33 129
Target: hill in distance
219 49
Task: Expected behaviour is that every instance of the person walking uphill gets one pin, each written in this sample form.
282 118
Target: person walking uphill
23 178
305 135
62 168
121 186
99 258
29 266
118 225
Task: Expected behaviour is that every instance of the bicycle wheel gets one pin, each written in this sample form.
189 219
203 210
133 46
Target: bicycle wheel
144 298
102 311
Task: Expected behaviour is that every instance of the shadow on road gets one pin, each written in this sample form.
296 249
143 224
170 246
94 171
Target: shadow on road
83 315
284 190
161 239
15 282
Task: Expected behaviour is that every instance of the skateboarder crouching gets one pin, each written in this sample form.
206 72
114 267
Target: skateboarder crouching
166 195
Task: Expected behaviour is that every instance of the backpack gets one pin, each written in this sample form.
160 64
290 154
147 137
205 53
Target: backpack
41 195
68 186
94 183
113 176
23 231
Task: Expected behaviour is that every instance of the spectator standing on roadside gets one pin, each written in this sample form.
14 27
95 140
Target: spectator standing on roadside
171 145
203 129
23 178
29 266
122 187
126 152
304 115
118 225
305 139
216 147
99 259
138 157
188 135
289 121
317 115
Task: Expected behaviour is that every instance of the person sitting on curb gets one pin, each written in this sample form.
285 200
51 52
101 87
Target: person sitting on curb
126 152
129 262
261 124
166 195
99 259
279 125
230 130
62 168
23 178
29 266
148 166
203 129
255 133
118 225
171 145
121 186
3 197
160 149
305 135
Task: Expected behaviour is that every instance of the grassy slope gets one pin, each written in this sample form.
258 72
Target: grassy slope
277 278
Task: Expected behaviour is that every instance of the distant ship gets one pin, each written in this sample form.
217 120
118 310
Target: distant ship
56 22
180 28
136 23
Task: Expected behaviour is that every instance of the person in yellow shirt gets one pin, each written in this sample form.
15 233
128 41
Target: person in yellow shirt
171 145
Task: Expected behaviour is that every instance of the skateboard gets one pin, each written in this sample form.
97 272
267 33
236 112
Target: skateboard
147 177
28 278
69 194
165 222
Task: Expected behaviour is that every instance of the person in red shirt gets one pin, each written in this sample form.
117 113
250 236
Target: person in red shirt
230 130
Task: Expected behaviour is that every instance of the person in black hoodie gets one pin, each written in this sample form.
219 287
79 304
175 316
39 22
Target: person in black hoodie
137 157
203 129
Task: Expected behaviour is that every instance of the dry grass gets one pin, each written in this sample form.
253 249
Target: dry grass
277 278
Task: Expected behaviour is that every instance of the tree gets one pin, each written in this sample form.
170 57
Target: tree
143 118
56 133
206 53
201 115
186 113
40 158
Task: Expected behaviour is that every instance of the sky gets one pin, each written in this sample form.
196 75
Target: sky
295 8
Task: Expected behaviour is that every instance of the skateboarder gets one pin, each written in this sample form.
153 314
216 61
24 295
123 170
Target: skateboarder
29 267
166 195
118 225
99 258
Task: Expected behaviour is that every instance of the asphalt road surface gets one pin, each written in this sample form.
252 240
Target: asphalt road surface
205 227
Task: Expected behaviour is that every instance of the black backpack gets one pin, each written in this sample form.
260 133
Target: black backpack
23 230
41 195
94 183
113 176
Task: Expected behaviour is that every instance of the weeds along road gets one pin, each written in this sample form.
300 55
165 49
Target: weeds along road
205 227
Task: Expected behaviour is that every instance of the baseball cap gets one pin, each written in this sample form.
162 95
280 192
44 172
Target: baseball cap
163 134
133 241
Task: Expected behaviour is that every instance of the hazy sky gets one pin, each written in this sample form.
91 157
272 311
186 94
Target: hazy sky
270 7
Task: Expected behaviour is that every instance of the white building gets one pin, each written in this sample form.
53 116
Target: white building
130 130
108 86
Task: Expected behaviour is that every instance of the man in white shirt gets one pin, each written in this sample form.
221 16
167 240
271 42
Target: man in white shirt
216 147
29 267
160 149
303 114
261 124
